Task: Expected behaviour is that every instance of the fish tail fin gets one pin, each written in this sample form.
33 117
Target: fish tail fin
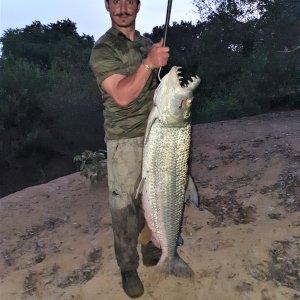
177 267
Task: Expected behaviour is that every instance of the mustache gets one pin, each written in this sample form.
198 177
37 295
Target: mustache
123 15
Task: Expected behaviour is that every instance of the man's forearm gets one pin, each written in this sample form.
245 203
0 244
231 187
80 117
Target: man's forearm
130 87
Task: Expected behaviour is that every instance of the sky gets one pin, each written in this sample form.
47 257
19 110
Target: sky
90 16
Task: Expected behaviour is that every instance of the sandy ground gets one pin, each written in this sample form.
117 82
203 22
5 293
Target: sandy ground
243 243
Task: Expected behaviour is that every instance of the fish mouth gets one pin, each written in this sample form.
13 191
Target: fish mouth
190 84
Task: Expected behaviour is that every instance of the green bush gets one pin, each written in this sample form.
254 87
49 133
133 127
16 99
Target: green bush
21 110
92 165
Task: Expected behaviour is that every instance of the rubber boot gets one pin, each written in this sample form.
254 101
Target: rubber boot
132 284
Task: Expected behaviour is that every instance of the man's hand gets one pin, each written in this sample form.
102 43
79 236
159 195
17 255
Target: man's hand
158 55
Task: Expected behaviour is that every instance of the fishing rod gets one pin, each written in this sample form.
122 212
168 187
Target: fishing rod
169 7
168 14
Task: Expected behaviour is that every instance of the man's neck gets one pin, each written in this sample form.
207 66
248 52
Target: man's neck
129 32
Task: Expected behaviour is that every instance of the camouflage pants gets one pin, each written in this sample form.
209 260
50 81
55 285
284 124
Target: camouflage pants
124 164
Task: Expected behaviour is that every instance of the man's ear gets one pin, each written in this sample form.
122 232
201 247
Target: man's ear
106 5
138 7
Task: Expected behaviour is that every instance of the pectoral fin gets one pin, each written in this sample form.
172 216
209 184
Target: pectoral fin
151 120
139 189
191 192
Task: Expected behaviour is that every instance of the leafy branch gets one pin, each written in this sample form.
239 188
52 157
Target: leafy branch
92 165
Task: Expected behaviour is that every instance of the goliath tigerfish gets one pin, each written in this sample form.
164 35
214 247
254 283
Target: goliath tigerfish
165 167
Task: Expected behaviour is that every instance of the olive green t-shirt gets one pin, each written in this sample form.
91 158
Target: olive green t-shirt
112 54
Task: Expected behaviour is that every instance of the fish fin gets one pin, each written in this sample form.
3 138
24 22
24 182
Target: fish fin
151 120
191 192
177 267
139 189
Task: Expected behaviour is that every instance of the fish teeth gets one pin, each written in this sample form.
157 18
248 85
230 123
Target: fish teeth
194 81
178 70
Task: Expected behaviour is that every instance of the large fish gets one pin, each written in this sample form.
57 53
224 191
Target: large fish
165 176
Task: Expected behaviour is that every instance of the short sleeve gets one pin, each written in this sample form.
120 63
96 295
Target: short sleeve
104 62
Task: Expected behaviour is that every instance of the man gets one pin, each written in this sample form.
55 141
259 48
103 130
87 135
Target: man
124 64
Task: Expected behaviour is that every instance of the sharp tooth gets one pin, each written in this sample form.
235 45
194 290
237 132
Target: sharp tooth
178 71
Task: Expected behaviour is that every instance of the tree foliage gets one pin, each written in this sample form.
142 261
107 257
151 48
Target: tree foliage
50 106
240 53
47 45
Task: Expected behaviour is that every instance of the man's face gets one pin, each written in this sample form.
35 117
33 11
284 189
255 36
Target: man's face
122 12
